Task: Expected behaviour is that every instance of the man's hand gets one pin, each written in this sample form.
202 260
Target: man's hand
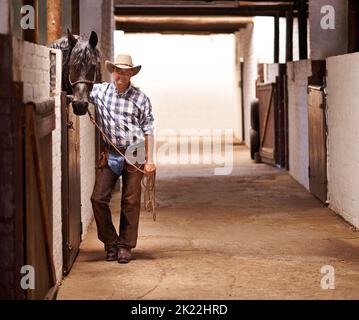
150 168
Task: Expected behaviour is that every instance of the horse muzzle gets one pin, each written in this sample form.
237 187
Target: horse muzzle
80 107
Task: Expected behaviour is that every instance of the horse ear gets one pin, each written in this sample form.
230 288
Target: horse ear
93 40
71 38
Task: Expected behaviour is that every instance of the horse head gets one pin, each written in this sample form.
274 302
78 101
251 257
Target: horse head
83 69
80 67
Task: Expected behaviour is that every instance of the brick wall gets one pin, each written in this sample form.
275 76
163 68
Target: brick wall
298 73
32 66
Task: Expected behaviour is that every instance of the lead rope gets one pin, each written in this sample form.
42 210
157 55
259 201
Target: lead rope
148 181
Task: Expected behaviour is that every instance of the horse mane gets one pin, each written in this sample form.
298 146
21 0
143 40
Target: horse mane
83 53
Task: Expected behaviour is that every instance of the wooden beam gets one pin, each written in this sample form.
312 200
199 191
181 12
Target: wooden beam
197 2
181 24
276 39
245 11
289 36
303 29
180 30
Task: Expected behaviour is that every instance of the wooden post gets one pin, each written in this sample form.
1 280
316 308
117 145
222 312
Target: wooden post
276 39
303 29
353 26
53 20
289 36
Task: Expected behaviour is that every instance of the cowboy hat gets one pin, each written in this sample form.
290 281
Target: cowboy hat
123 61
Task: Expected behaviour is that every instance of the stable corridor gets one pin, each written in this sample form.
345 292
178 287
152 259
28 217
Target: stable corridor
255 234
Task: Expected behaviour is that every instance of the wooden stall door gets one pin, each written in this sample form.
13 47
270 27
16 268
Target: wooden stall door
317 143
71 184
266 94
40 122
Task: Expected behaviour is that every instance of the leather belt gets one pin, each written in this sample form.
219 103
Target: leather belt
111 149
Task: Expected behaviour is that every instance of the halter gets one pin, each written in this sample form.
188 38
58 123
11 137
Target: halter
82 81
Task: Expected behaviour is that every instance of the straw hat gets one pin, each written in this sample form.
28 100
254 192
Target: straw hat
123 61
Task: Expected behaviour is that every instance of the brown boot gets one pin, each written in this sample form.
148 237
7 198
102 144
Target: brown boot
111 254
124 255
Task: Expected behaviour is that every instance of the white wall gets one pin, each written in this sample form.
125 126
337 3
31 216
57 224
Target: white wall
298 134
190 79
271 72
56 173
249 55
4 16
263 34
87 167
238 89
90 20
90 16
343 138
95 15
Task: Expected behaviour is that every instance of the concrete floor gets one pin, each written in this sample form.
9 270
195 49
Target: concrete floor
256 234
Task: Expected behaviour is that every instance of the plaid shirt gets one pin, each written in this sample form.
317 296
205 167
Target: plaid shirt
125 118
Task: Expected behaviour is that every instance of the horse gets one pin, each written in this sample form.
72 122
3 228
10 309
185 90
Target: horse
81 68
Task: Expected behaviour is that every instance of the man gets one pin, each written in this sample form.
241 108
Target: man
124 113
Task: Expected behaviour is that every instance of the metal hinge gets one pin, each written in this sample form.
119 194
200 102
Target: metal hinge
309 172
70 125
69 246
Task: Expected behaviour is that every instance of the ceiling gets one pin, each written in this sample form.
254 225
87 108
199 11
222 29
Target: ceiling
201 16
